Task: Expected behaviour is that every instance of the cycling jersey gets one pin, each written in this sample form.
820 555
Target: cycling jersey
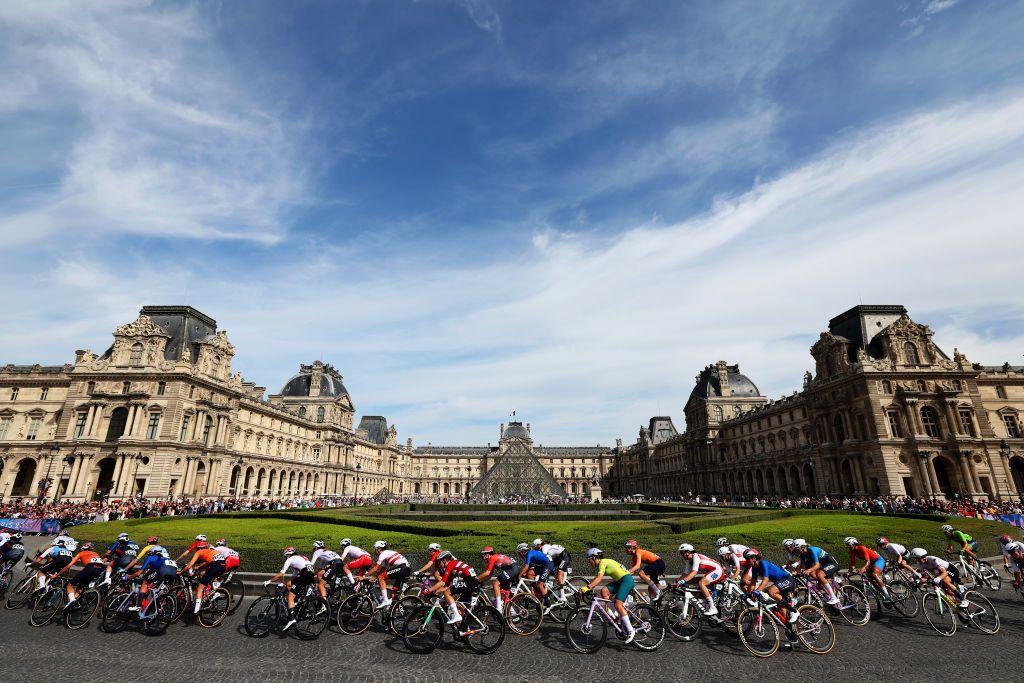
456 568
612 569
735 556
391 558
122 553
4 537
497 561
962 538
154 550
813 555
894 550
207 556
552 549
323 557
228 556
193 546
779 577
933 564
1010 549
352 553
56 558
702 564
644 556
864 553
69 543
87 557
538 559
297 564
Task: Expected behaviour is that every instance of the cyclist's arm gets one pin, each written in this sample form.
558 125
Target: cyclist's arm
74 561
596 580
636 564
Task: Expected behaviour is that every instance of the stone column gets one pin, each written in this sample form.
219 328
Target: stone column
73 475
930 467
954 423
965 474
82 475
97 421
90 416
858 474
922 473
913 419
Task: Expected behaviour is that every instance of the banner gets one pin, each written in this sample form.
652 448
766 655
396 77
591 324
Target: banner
32 526
1016 520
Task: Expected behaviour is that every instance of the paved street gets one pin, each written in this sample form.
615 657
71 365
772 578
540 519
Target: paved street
887 649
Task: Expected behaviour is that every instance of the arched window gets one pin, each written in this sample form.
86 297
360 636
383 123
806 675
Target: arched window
718 413
930 421
910 354
136 355
215 366
302 411
886 386
320 412
840 428
894 424
1000 391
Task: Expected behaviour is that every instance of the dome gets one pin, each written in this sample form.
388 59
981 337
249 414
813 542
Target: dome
708 385
331 385
515 430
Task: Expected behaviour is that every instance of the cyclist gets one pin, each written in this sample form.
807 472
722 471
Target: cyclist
213 565
536 565
560 559
731 560
11 549
326 564
355 558
874 564
69 542
194 546
778 583
695 564
52 560
120 554
392 566
896 553
819 564
93 566
433 550
1013 557
647 566
942 573
968 547
301 577
621 585
156 565
456 579
500 570
792 554
232 561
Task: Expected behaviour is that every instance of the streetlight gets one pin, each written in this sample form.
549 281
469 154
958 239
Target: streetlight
54 449
358 468
238 479
69 461
1004 450
135 477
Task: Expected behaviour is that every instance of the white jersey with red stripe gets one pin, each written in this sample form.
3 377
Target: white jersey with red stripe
391 558
735 556
352 553
702 564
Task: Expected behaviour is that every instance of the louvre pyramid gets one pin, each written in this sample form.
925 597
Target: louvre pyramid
517 472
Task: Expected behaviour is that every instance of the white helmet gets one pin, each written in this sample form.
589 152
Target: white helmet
724 552
592 552
122 537
799 543
434 547
318 545
685 548
722 540
917 553
537 542
345 542
851 541
201 537
946 528
787 542
380 545
522 548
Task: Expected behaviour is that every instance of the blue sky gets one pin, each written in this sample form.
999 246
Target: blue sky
471 207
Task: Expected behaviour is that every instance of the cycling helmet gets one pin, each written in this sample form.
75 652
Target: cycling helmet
1004 539
345 542
289 551
487 550
87 546
724 552
318 545
201 537
799 543
153 540
122 537
685 548
851 541
751 554
221 541
917 553
631 544
434 547
537 542
203 545
882 541
60 542
947 528
380 545
16 535
445 557
787 543
722 540
522 548
594 552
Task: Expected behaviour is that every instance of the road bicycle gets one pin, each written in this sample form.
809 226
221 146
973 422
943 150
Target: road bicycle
521 608
78 614
155 609
683 612
482 627
49 602
215 603
7 575
53 601
980 574
761 624
944 613
853 605
269 613
901 597
357 611
235 587
587 626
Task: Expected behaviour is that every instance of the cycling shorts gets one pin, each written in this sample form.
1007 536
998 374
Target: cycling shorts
785 585
829 566
231 562
622 587
462 587
54 565
540 572
714 575
13 555
562 561
506 576
361 564
879 564
212 571
654 570
398 574
974 545
303 578
89 573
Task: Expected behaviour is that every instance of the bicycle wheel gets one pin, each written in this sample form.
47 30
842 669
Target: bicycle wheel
758 632
904 600
990 578
484 629
81 613
423 629
982 613
21 595
158 622
524 614
115 613
215 608
562 608
355 613
586 631
940 615
729 606
262 616
649 626
399 612
236 588
854 606
183 600
683 626
47 606
311 616
815 630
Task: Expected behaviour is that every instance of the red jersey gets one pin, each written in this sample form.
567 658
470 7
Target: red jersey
862 552
456 568
498 561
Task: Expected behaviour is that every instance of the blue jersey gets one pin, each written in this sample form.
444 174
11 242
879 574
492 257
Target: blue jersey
123 553
771 571
55 552
539 557
813 556
153 562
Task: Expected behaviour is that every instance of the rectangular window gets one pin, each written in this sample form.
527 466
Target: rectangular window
161 387
894 424
80 424
967 421
5 424
126 387
184 427
14 394
33 428
1000 392
1012 426
191 392
316 455
44 393
154 425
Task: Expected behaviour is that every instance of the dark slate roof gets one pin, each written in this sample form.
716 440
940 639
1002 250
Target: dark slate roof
515 429
331 386
709 387
184 324
662 423
375 426
32 369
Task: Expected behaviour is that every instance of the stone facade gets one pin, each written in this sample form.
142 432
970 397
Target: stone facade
884 412
162 413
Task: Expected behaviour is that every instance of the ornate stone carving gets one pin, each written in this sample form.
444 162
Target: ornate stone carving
142 327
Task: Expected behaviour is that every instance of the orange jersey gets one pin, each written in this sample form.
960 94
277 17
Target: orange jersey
645 556
206 555
87 557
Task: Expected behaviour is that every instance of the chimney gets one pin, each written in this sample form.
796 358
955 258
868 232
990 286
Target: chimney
723 377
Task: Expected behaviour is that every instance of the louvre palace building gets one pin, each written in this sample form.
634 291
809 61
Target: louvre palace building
162 412
885 411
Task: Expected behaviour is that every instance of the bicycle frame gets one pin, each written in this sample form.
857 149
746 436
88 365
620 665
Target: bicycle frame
439 606
604 613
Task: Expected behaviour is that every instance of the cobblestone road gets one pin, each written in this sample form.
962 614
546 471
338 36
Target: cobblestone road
888 649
